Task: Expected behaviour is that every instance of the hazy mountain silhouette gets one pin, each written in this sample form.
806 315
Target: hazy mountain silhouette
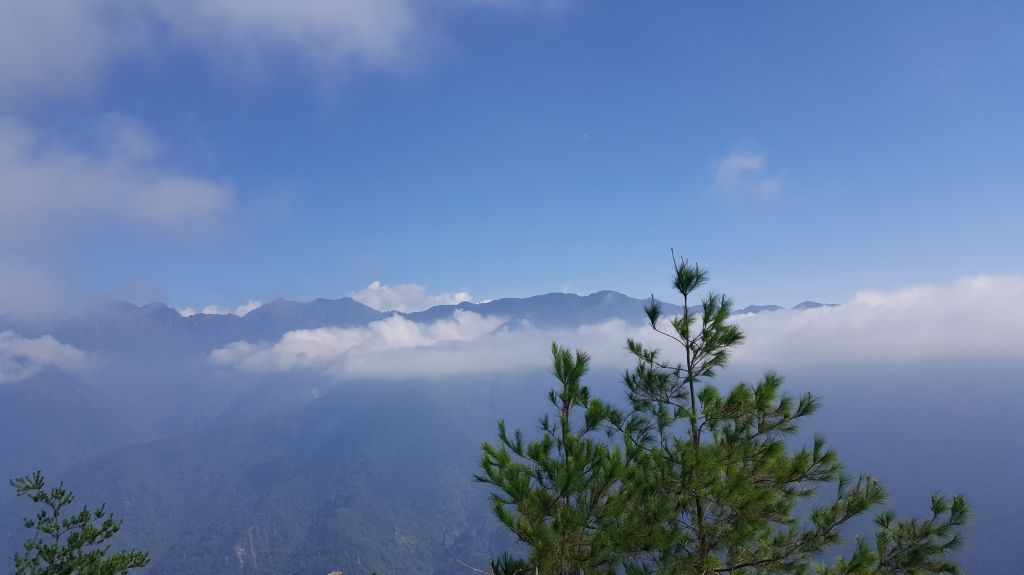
124 328
813 305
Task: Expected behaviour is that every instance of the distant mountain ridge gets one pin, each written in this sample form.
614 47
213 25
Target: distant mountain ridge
151 378
120 325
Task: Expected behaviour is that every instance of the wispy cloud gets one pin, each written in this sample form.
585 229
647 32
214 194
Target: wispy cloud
48 49
329 36
976 318
744 171
47 187
21 358
26 291
63 47
405 297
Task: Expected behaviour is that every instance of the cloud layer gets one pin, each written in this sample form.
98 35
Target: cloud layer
21 358
46 187
350 351
65 46
977 318
62 47
405 297
51 48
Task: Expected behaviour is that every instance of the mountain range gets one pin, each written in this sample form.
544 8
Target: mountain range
124 327
227 471
151 377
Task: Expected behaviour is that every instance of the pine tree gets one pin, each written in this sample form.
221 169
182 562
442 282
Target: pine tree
69 544
691 480
562 488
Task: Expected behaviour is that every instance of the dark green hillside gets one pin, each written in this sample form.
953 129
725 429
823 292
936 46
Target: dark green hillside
81 421
367 478
370 475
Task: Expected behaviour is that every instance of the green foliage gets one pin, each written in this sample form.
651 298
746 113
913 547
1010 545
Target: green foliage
69 544
691 480
563 485
509 565
366 478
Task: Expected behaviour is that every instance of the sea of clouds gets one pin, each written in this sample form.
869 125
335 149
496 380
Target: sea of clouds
975 318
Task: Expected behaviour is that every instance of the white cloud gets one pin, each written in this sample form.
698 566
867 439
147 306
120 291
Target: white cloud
339 350
503 350
214 310
974 318
327 34
405 297
744 171
58 46
46 187
54 47
21 358
65 46
246 307
977 318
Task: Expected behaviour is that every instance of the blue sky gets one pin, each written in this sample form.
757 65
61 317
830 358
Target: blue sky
207 153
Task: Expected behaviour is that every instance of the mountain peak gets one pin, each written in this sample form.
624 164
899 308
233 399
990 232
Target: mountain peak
808 304
755 309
